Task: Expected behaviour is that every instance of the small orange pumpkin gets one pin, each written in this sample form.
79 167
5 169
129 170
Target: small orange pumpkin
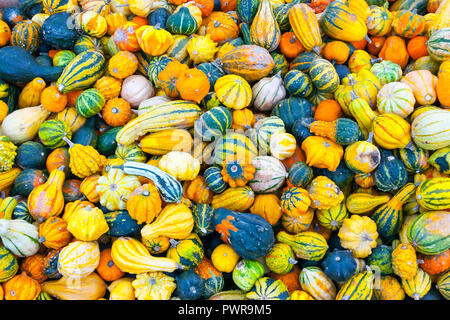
221 27
267 206
123 64
290 46
114 21
328 110
116 112
193 85
5 33
21 287
377 42
290 279
144 203
109 87
417 47
53 233
106 268
243 119
53 100
33 266
167 78
58 158
336 51
205 6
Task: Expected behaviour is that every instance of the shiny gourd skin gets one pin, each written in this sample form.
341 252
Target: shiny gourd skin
246 272
339 265
358 287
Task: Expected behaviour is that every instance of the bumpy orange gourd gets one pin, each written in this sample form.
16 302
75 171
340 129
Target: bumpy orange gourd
197 190
154 40
30 95
322 152
404 261
123 64
116 112
324 193
47 200
144 203
21 287
267 206
53 100
394 49
53 233
193 85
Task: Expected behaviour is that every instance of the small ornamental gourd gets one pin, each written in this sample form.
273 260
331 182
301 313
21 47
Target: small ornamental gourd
153 286
342 131
84 160
144 203
53 233
114 188
295 201
397 98
47 200
87 224
389 289
188 252
21 287
306 245
8 265
404 261
324 193
267 206
78 259
264 30
248 234
315 282
322 152
339 265
180 165
358 287
359 234
224 258
233 91
7 153
418 286
280 259
332 218
246 272
236 174
391 131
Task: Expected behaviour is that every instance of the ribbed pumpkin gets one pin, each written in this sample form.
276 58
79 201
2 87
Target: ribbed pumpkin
305 26
391 131
78 259
423 84
428 129
397 98
144 203
125 37
379 22
418 286
26 34
233 91
358 287
315 282
53 233
21 287
359 235
408 24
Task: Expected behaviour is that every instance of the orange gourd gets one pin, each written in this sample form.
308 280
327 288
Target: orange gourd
53 233
116 112
336 51
33 266
88 188
114 21
359 45
443 85
47 200
123 64
125 37
267 206
328 110
394 49
154 40
5 33
106 268
408 24
53 100
205 6
417 47
290 46
221 27
193 85
3 110
243 119
109 87
144 203
197 190
168 78
377 42
21 287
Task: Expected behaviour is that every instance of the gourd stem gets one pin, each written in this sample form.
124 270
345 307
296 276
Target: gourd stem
368 39
316 50
173 243
292 261
376 60
410 146
61 168
370 138
70 143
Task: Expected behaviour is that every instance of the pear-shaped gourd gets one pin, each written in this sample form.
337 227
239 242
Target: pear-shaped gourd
84 160
47 200
19 237
131 256
264 30
91 287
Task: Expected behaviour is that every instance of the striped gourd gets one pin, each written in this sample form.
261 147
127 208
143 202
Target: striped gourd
440 159
414 158
55 6
213 123
434 194
90 102
300 174
202 214
234 144
363 203
358 287
26 34
295 222
408 24
156 66
418 286
266 288
387 71
143 62
332 218
389 217
85 43
187 252
72 118
303 61
397 98
391 131
52 133
21 212
235 199
214 179
19 237
323 75
295 201
438 44
270 174
429 232
79 259
162 142
264 30
419 5
340 22
178 50
430 130
8 204
178 114
267 92
264 129
212 72
314 281
363 114
169 188
82 71
291 109
443 284
307 245
131 152
298 83
379 21
7 177
391 174
280 259
305 26
8 265
246 272
233 91
182 21
246 10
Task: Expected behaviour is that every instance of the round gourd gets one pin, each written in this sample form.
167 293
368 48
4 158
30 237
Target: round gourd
267 92
135 89
280 259
52 133
428 129
214 179
246 273
268 288
8 265
387 71
390 174
90 102
233 91
78 259
315 282
391 131
362 157
224 258
31 155
300 174
26 34
339 265
323 75
397 98
213 123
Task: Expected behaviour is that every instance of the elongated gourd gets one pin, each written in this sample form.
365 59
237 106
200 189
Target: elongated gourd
363 203
363 114
47 200
131 256
23 124
174 221
178 114
264 30
7 178
307 245
91 287
305 26
169 188
389 217
31 93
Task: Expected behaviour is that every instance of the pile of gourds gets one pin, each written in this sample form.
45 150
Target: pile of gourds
212 149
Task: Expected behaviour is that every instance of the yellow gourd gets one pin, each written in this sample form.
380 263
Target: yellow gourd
31 93
87 223
91 287
84 160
